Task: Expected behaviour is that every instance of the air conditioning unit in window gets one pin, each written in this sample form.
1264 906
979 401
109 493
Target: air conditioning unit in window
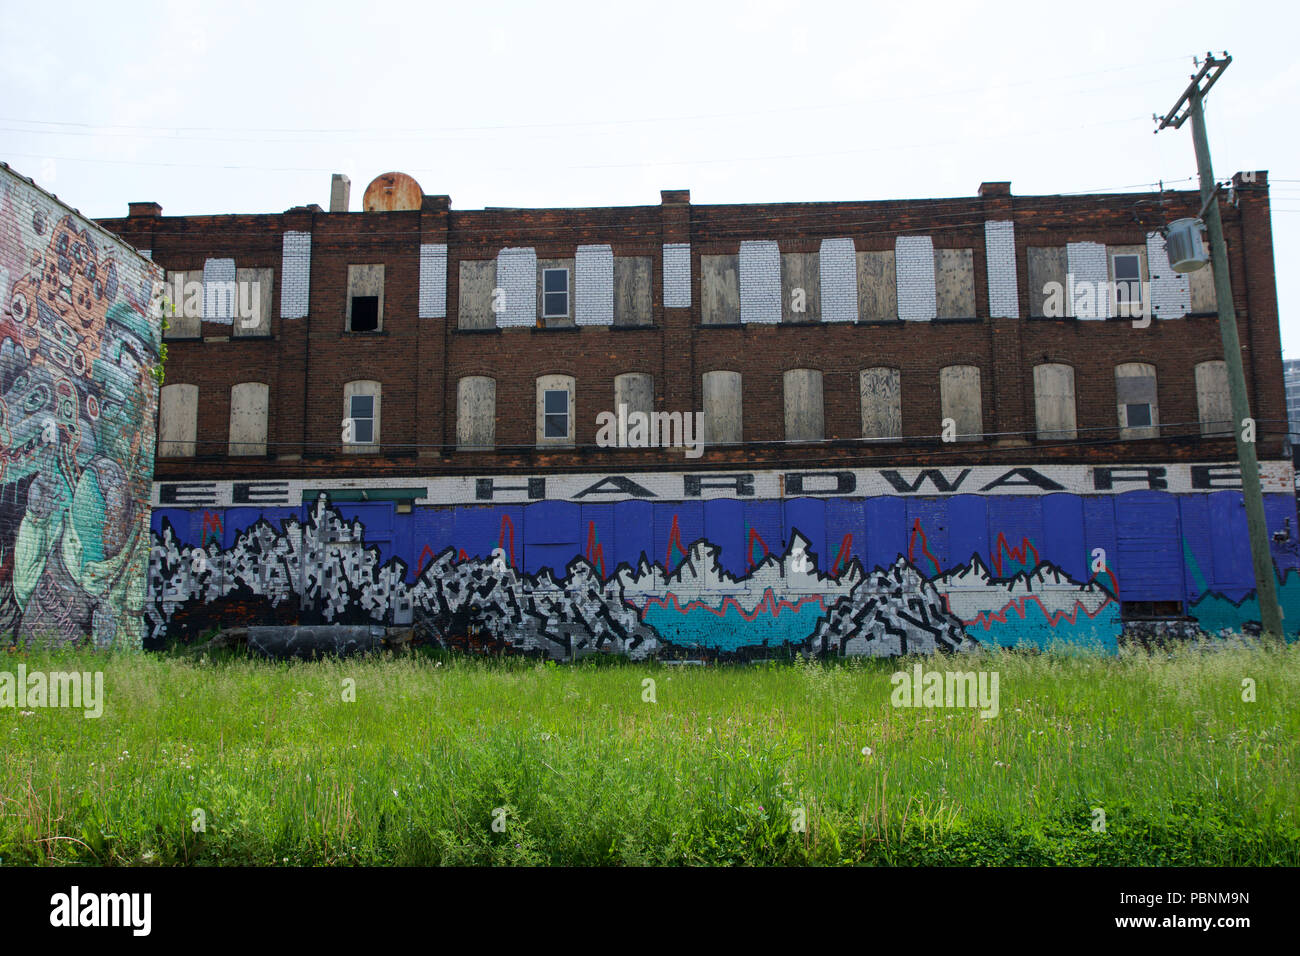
1186 250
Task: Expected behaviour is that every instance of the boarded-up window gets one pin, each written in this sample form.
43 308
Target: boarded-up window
1046 269
361 400
877 286
954 283
1135 395
1213 400
723 414
632 276
959 394
253 302
183 308
477 280
555 410
636 390
801 287
476 412
719 290
365 301
1054 401
882 407
178 421
248 406
804 416
1201 286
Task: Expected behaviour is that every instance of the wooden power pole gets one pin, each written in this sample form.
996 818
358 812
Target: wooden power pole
1189 105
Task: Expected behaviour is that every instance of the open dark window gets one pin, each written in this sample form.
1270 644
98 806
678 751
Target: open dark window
365 313
1150 610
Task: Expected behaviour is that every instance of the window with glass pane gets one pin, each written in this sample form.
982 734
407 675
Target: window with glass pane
555 293
1128 283
1139 415
557 413
363 419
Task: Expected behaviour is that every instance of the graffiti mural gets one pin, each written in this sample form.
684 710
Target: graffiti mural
719 578
77 407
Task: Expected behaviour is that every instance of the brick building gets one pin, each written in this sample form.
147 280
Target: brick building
78 345
923 423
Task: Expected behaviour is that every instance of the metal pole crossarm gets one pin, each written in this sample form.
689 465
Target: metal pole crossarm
1210 64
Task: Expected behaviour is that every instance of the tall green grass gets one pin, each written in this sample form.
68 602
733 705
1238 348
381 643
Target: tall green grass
582 770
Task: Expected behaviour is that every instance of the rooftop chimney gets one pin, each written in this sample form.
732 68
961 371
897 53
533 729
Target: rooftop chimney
995 189
143 210
340 192
673 197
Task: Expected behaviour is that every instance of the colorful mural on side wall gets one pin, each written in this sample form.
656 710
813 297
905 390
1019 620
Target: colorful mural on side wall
77 408
722 578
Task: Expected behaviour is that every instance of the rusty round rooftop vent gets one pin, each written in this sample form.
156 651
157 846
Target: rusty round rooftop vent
391 192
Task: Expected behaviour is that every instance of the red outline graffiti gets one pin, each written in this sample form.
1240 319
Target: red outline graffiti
770 604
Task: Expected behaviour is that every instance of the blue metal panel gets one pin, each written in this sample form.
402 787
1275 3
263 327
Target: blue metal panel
1280 514
808 515
1015 533
887 531
178 518
478 531
846 533
1063 537
678 525
968 528
634 532
552 536
599 536
764 529
1234 573
927 535
1099 532
431 534
1150 546
724 526
1198 544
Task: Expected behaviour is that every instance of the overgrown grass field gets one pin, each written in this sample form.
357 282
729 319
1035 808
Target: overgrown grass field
575 766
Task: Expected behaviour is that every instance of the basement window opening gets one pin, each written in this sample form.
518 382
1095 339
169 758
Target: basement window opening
1150 610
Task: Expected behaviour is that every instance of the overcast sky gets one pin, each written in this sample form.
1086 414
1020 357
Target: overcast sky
248 107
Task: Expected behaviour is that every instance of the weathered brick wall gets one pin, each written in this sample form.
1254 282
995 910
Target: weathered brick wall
421 353
78 404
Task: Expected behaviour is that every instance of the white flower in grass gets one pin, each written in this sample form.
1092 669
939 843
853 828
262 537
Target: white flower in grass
866 751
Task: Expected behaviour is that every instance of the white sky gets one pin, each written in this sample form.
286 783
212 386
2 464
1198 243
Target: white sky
248 107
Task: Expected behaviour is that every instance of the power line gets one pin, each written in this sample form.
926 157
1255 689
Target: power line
848 105
638 164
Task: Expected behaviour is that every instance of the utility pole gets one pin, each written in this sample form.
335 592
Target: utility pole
1190 105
